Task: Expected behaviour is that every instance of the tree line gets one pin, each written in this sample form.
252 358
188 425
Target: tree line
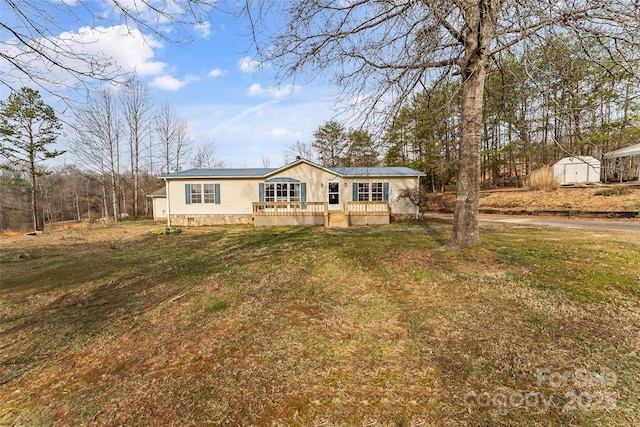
539 105
119 140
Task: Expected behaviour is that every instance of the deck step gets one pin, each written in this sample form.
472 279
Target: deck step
338 219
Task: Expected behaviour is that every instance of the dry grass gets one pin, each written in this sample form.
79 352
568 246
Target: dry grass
541 179
568 199
618 199
294 326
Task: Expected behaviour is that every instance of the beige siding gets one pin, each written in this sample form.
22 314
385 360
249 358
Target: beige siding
159 208
236 196
396 185
315 178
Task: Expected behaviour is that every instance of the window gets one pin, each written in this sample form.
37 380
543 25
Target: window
269 192
196 193
202 193
376 192
294 192
370 192
363 191
282 192
209 193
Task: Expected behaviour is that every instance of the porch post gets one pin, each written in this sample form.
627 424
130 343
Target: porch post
166 187
326 214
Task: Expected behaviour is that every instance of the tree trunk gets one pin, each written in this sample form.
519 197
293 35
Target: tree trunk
114 196
32 183
34 203
465 221
480 31
105 204
136 182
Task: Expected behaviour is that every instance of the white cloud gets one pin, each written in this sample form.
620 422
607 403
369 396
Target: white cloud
216 72
284 133
256 89
203 29
248 65
167 82
128 48
124 50
118 47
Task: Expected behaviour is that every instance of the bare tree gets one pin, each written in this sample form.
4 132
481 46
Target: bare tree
298 149
381 52
266 162
97 142
138 115
36 43
205 157
173 138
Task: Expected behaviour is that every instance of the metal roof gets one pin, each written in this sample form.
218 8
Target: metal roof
377 171
160 192
265 172
632 150
220 173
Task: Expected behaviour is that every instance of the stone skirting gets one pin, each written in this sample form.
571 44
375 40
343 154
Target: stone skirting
402 217
196 220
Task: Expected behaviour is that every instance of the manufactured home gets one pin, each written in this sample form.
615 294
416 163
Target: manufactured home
300 193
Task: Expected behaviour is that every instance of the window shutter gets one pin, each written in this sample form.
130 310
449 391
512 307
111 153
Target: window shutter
216 190
261 192
354 189
303 192
385 191
187 194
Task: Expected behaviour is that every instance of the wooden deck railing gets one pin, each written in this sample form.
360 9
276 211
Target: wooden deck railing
368 208
317 213
288 208
289 213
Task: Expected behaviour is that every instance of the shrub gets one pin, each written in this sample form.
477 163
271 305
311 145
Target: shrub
165 231
541 179
427 201
613 191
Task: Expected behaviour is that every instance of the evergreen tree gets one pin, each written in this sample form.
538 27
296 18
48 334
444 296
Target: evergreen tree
361 149
330 142
28 127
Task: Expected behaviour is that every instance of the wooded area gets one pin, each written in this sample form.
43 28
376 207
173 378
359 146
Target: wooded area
542 81
119 144
539 106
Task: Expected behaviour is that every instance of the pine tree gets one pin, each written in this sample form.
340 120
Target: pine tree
330 142
28 127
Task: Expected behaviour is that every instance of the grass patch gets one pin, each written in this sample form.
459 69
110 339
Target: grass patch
613 191
304 326
208 304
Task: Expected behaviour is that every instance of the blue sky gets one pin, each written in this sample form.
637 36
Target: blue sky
212 82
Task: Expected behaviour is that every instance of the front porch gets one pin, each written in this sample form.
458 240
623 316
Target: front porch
267 214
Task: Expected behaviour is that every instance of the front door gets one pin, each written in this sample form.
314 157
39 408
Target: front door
333 196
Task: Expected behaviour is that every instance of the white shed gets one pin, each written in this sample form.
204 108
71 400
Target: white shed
578 169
